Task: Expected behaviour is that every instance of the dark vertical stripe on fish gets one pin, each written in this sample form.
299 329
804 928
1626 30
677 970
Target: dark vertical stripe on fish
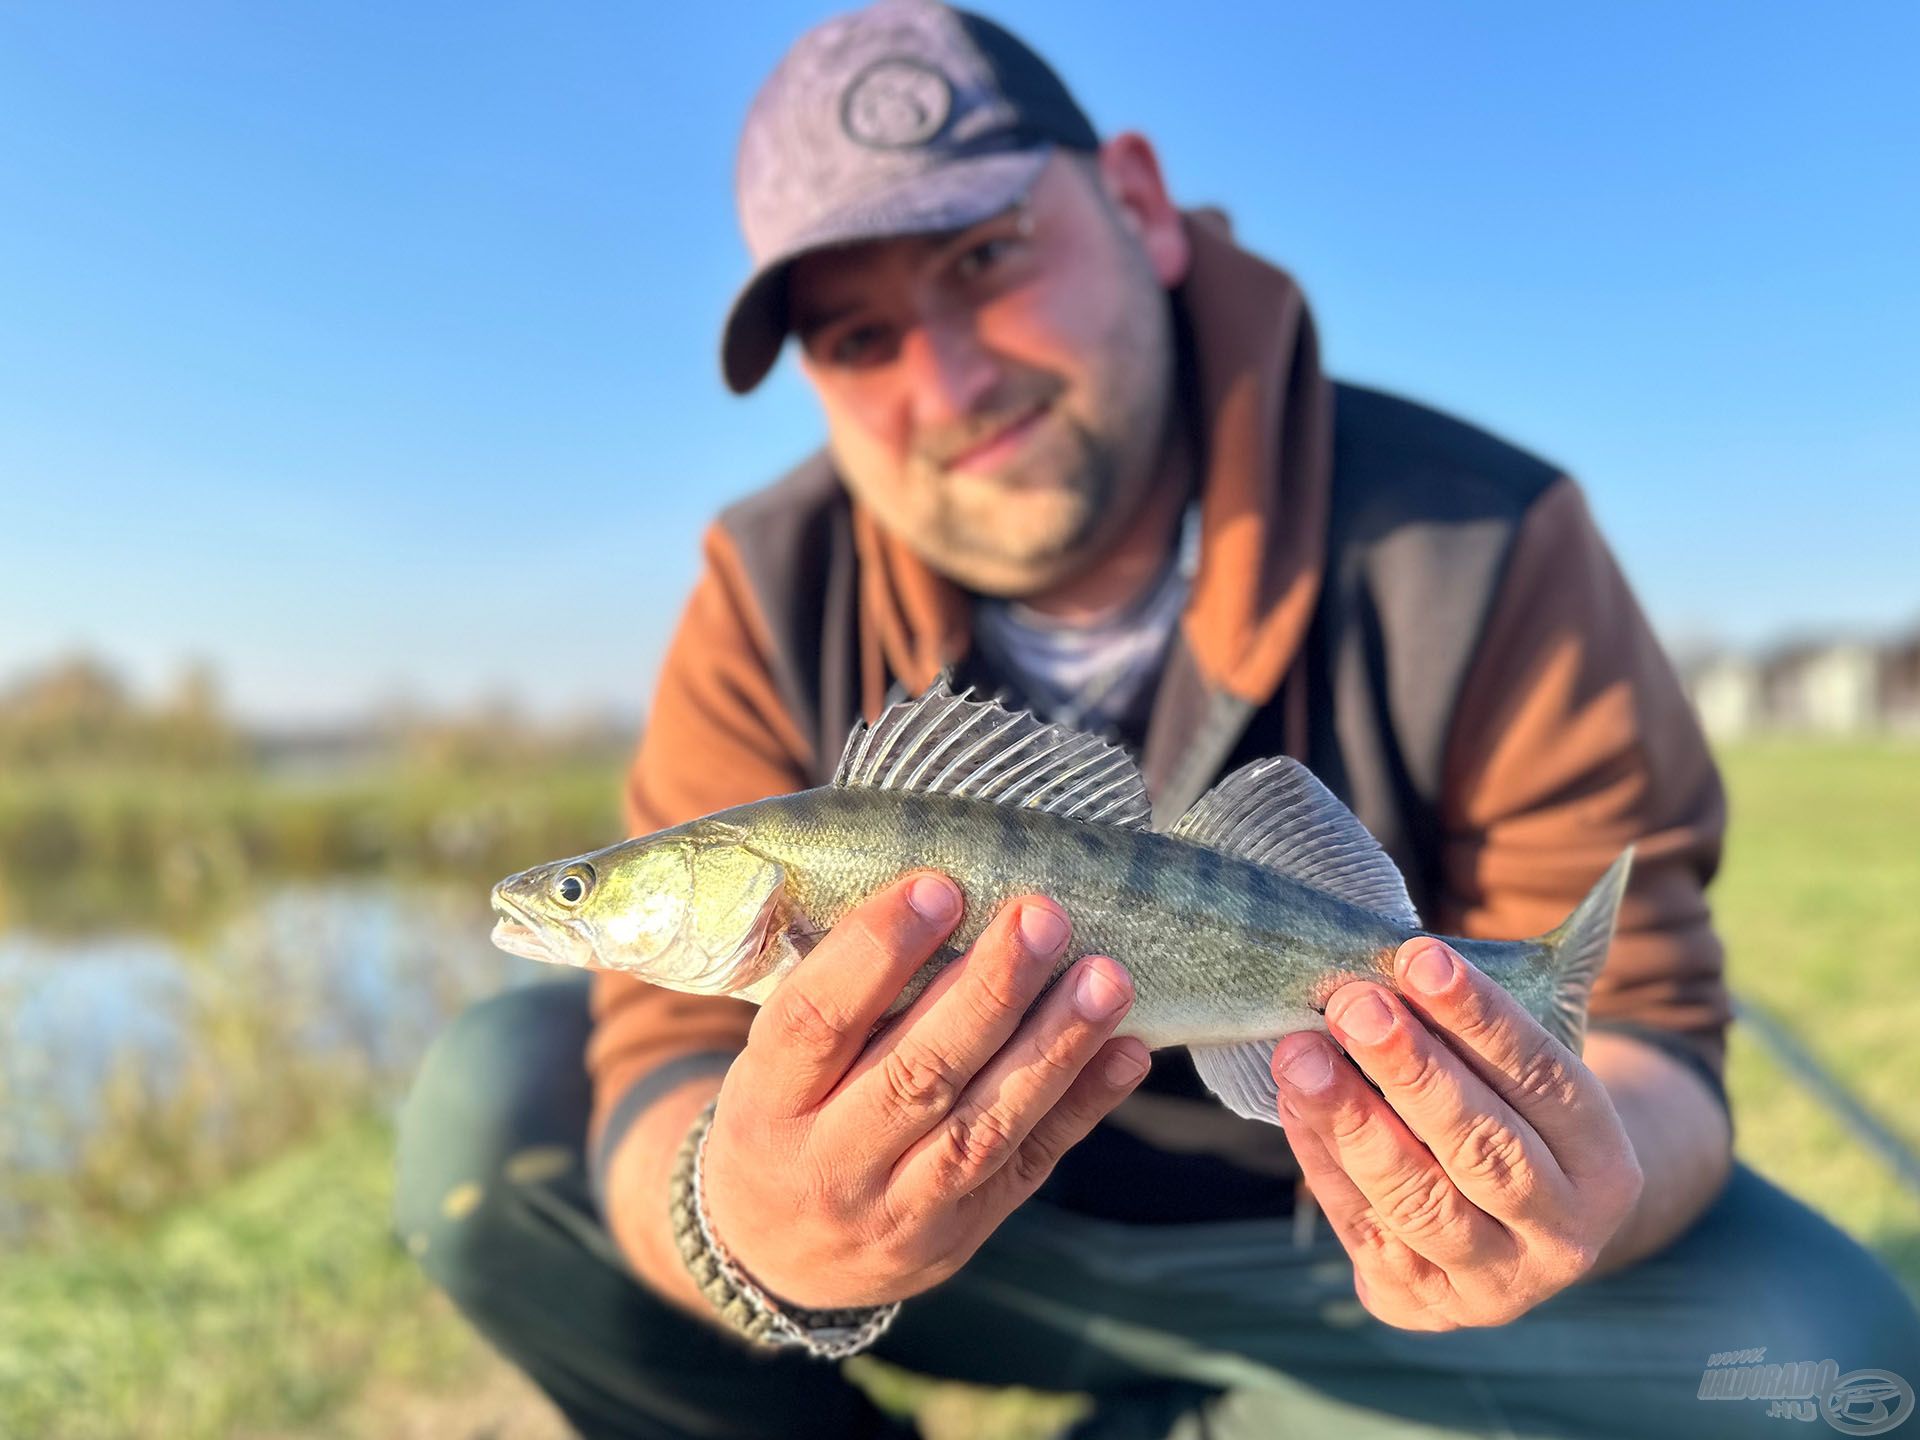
1143 878
1093 846
1010 834
915 819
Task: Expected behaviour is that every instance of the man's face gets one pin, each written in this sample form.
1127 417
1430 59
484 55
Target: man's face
998 396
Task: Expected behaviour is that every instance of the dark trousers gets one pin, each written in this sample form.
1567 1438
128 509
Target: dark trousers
1223 1329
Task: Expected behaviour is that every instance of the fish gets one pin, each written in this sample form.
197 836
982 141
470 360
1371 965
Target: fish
1236 923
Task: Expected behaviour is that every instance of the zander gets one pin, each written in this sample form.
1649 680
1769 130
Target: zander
1236 924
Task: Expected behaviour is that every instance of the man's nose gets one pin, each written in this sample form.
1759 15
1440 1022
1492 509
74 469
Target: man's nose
948 370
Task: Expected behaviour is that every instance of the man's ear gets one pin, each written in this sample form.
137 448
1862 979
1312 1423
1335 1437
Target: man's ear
1130 173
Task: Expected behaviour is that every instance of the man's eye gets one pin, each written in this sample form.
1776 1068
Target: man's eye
981 258
861 345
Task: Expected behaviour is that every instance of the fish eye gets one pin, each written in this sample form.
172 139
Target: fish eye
574 885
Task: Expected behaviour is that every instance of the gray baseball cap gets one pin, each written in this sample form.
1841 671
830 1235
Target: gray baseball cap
904 118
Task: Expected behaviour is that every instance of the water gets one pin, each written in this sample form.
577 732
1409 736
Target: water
357 973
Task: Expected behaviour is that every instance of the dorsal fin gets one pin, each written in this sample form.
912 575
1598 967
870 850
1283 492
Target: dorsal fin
1277 814
950 744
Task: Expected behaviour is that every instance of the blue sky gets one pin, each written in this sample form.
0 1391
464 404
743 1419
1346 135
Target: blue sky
368 349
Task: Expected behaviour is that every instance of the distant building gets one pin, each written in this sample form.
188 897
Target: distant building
1831 689
1827 687
1900 685
1726 692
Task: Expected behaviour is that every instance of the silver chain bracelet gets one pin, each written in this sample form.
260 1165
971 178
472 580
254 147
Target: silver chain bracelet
747 1308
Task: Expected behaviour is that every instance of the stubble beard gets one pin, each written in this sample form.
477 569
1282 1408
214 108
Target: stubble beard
1028 519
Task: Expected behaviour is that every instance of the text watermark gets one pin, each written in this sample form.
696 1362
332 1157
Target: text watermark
1860 1402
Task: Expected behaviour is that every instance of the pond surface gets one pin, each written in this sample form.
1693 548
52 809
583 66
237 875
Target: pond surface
356 975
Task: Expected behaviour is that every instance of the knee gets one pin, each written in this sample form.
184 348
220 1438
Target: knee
1816 1291
1857 1314
502 1089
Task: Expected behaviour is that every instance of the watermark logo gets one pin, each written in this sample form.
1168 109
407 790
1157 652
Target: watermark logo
1860 1402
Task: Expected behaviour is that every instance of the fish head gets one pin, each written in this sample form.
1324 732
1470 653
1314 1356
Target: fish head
691 909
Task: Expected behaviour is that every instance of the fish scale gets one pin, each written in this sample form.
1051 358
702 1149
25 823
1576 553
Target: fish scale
1235 925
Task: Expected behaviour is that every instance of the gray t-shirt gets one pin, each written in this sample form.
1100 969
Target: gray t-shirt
1090 676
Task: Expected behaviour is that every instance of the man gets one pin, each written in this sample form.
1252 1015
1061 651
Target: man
1081 450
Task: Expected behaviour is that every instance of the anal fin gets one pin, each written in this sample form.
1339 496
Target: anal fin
1241 1074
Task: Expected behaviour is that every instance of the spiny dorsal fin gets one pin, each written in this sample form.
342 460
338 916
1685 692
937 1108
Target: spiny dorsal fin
1277 814
950 744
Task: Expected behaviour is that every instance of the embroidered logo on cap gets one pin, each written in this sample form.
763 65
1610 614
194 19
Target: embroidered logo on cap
895 103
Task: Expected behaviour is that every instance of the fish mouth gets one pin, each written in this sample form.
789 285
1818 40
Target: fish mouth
514 932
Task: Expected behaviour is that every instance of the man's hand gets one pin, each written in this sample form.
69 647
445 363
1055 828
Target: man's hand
1489 1169
846 1170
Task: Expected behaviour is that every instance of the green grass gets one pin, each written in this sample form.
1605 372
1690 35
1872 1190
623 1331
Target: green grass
1819 905
271 1303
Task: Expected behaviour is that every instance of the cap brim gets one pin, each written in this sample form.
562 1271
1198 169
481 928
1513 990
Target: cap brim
957 194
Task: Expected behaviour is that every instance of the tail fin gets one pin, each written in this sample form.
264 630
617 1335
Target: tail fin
1577 948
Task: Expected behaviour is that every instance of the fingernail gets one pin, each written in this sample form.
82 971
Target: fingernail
1308 1069
1365 1017
1096 994
1124 1067
1043 931
1431 969
934 897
